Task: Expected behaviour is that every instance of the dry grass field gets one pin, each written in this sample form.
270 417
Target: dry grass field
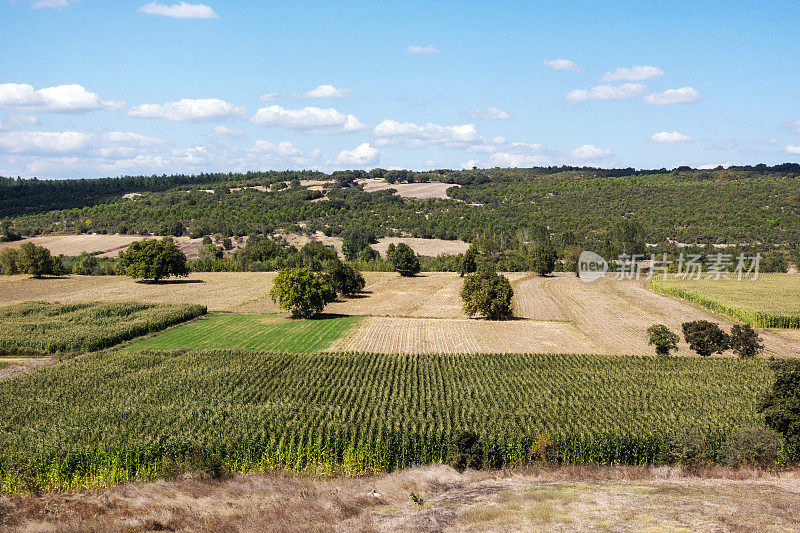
424 313
107 245
408 190
534 499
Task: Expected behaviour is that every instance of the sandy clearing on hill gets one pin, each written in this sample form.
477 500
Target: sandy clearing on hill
108 245
21 365
433 189
423 247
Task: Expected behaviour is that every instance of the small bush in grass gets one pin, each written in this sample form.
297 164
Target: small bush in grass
752 446
466 451
687 448
745 342
664 340
705 337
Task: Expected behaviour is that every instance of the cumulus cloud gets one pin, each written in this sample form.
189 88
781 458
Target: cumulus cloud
308 119
562 64
588 152
327 91
635 73
270 153
224 132
491 113
793 149
362 155
59 99
39 4
673 96
670 137
268 97
605 92
794 126
422 50
108 144
504 159
179 11
189 110
15 121
418 136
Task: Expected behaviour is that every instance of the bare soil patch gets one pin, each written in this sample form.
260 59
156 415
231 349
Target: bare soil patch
544 499
20 365
408 190
103 245
425 247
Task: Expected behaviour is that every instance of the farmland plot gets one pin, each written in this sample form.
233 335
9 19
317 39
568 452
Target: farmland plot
433 189
103 245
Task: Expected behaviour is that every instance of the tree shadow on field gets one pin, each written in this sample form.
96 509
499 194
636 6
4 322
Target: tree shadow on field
328 316
169 281
358 296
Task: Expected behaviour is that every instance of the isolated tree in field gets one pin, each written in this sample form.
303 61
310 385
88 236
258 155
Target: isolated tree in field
664 340
781 405
37 261
343 277
151 259
8 261
745 341
705 337
487 293
303 292
469 262
403 259
543 258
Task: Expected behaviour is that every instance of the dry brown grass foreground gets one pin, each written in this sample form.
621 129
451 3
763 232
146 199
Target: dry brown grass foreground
558 314
535 499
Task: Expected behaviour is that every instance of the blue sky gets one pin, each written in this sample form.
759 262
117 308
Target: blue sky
94 88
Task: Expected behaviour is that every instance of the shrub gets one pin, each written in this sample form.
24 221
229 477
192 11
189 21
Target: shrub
469 261
687 448
153 259
302 292
705 337
744 341
403 259
343 277
781 405
36 261
8 261
466 451
489 294
752 446
543 258
664 340
86 265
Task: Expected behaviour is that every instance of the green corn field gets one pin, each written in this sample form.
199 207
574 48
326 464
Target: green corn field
38 327
127 415
756 303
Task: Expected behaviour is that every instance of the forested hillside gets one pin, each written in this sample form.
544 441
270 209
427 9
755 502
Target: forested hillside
754 206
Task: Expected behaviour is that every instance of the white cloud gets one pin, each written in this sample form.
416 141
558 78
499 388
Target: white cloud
422 50
59 99
189 110
635 73
179 11
794 126
793 149
430 163
504 159
362 155
268 97
470 164
110 144
673 96
562 64
269 153
38 4
711 166
605 92
15 121
428 133
308 119
670 137
224 132
328 91
590 151
491 113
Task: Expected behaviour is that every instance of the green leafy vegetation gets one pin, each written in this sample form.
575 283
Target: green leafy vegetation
152 259
252 332
772 301
130 415
37 327
302 292
705 337
662 339
781 405
403 259
488 294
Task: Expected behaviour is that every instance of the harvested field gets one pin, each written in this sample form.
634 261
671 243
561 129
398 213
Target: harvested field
545 499
424 335
426 247
106 245
409 190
